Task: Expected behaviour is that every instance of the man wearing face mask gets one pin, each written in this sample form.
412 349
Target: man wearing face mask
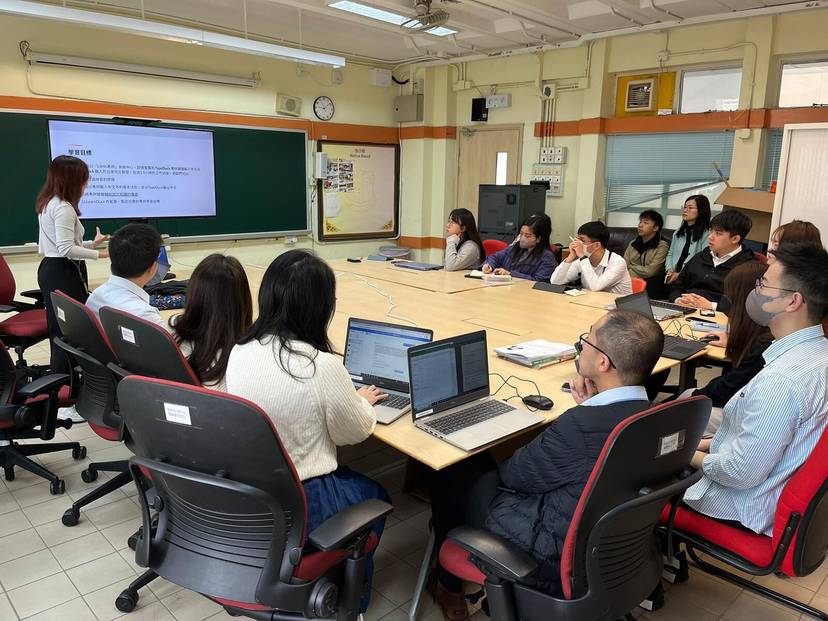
770 428
589 259
531 498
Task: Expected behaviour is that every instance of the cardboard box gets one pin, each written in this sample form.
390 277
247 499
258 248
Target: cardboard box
755 204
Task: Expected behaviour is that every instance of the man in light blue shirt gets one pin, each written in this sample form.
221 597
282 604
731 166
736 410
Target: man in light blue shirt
133 252
770 428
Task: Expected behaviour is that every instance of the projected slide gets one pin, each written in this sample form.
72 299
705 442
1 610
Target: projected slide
140 172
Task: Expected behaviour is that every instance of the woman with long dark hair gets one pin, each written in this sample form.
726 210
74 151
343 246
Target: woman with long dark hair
286 365
464 248
691 237
218 314
530 256
60 241
792 232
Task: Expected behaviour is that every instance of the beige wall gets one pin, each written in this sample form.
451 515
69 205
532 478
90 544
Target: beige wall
429 166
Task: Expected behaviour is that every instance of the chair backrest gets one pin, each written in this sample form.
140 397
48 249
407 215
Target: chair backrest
234 511
145 348
7 284
86 343
610 551
806 493
493 245
8 376
638 284
762 258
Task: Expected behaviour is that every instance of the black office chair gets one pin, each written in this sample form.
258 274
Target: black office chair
231 509
29 410
611 559
28 324
145 348
87 346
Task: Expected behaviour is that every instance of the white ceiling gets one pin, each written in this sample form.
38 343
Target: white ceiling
485 26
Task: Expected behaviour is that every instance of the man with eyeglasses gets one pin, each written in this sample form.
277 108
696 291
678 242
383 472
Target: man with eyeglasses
531 499
771 426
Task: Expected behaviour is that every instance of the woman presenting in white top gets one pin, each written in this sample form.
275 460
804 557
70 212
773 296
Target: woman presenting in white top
287 366
60 241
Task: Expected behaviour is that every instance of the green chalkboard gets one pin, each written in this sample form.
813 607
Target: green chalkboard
261 181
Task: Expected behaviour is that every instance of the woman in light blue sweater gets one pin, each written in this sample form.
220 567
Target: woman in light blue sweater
691 238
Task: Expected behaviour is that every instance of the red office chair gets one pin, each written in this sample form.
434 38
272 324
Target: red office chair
638 284
611 559
796 548
145 348
493 245
28 325
762 258
88 349
232 512
27 411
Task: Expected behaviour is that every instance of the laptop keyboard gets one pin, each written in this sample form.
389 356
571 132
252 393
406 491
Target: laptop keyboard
398 402
468 417
670 306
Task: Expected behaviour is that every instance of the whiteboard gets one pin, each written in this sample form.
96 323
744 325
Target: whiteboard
802 187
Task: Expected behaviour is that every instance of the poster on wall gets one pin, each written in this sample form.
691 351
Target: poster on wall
358 198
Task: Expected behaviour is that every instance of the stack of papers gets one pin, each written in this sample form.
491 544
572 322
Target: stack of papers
538 353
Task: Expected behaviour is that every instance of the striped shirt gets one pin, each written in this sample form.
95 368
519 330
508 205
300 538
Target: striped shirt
769 429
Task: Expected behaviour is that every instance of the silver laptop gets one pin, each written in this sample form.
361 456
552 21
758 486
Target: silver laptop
660 312
375 354
450 394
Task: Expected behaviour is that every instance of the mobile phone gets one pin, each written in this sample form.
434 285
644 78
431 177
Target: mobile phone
708 338
707 313
354 260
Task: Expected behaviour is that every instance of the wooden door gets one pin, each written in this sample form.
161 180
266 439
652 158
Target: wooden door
486 155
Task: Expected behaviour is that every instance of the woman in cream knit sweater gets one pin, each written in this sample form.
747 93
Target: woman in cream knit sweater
286 365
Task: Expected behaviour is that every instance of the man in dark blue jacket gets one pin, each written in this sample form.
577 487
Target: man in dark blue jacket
531 498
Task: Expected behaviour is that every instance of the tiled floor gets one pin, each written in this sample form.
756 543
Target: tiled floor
50 571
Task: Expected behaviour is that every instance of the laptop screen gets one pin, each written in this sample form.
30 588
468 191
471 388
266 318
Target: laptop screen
376 351
162 267
448 373
637 302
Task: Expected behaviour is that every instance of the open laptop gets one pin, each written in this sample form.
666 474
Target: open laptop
451 397
163 266
375 354
660 310
675 347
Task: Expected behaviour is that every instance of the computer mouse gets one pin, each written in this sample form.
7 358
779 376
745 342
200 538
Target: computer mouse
538 401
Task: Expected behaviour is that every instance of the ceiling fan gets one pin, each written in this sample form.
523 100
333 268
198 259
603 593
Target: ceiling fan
427 17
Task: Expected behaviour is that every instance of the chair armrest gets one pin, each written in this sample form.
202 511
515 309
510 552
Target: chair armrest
8 308
502 557
19 307
43 385
34 294
345 525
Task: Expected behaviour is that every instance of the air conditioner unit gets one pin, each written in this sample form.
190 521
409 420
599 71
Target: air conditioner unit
640 96
289 105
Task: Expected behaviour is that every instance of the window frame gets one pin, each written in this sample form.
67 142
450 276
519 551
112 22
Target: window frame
697 69
795 60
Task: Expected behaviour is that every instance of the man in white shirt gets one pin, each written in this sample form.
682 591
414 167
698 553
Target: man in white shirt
771 427
599 269
133 252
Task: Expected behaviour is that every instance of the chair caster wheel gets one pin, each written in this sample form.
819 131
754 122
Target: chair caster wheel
70 517
132 542
88 475
57 487
9 474
126 601
79 453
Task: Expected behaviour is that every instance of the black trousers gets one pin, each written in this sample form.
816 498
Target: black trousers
68 276
461 494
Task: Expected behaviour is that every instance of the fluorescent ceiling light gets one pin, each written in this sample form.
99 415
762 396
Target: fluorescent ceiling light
385 16
166 31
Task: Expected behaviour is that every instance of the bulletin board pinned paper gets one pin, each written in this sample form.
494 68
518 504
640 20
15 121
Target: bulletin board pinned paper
359 195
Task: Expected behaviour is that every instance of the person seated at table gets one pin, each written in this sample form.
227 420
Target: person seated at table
218 313
287 366
531 499
701 282
646 254
793 231
589 259
744 343
133 256
530 256
464 248
772 425
690 238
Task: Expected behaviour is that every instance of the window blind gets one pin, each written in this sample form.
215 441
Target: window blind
773 153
